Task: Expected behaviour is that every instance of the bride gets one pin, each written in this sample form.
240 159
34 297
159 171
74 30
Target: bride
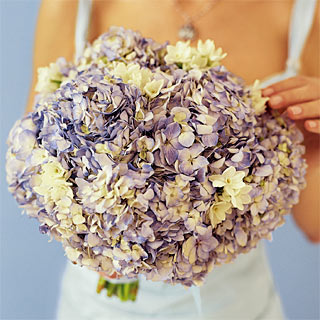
274 41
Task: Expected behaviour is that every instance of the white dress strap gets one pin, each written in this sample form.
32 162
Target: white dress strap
302 17
82 23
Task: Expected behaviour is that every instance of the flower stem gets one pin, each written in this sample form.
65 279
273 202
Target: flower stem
124 291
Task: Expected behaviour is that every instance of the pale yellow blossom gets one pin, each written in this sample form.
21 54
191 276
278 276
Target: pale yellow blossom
49 79
179 53
258 102
217 212
230 180
153 87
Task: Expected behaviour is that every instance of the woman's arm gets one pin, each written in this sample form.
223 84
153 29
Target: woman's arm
54 36
306 213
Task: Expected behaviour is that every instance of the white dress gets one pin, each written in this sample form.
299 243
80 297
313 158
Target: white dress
243 289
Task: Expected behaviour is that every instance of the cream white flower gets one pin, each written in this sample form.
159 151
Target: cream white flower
235 191
230 180
241 197
146 76
49 79
153 87
132 73
258 102
54 191
215 57
217 212
51 183
206 48
180 53
140 77
203 57
120 70
198 61
64 202
136 76
53 170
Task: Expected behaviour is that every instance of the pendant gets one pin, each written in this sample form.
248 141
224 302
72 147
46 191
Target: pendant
187 32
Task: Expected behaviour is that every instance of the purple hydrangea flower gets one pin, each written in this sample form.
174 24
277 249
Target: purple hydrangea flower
128 181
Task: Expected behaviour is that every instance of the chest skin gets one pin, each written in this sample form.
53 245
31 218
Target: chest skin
254 33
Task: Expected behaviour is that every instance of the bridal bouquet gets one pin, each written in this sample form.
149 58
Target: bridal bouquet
153 159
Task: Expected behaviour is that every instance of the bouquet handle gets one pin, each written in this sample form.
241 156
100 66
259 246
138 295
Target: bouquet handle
124 289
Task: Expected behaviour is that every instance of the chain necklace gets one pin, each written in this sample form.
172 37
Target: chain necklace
188 30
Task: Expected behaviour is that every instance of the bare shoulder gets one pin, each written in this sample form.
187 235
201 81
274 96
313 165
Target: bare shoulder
310 57
54 36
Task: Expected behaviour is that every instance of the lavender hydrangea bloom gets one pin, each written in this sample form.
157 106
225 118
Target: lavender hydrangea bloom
154 169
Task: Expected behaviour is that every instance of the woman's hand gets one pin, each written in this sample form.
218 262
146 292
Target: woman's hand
301 96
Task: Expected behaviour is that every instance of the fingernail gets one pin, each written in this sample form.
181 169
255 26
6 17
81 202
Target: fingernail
267 91
275 100
295 110
312 124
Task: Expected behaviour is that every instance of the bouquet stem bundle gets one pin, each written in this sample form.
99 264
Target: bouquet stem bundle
124 291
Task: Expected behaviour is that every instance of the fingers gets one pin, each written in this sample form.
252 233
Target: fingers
291 97
112 276
312 126
301 96
305 110
292 91
290 83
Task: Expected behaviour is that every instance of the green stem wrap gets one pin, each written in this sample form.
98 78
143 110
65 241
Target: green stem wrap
124 291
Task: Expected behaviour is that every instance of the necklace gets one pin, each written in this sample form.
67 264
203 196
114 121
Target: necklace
188 30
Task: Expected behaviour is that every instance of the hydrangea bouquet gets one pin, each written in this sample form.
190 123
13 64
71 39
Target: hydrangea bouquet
153 159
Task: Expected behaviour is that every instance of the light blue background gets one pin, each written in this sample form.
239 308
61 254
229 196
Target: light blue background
31 268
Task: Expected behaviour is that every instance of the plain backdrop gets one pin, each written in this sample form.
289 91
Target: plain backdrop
31 268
